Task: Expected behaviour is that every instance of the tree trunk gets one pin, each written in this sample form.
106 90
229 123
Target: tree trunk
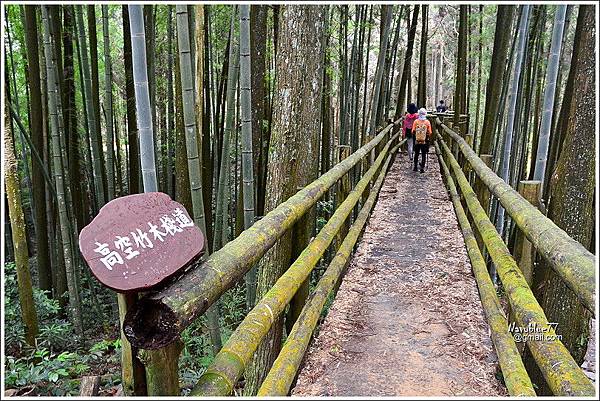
499 58
572 185
294 152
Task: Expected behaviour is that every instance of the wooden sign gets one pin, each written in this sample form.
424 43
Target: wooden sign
137 241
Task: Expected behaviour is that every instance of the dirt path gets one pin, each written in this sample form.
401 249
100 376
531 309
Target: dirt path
407 319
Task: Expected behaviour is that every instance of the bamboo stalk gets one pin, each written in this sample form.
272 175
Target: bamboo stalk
515 376
89 108
247 166
193 153
160 317
53 101
229 365
562 373
142 98
108 107
571 261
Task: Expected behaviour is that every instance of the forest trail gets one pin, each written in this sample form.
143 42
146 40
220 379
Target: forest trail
407 319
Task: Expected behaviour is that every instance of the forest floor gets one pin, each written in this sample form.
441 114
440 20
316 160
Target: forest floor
407 319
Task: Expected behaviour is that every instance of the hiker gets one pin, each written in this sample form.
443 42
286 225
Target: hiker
422 135
441 107
409 119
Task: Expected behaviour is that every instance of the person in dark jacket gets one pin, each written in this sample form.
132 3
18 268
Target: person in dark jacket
441 107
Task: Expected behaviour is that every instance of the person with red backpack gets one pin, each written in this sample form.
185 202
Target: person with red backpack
421 129
409 119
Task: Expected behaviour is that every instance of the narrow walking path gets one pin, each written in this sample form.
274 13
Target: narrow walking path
407 319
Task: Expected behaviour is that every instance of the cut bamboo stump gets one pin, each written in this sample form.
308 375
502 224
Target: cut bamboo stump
89 386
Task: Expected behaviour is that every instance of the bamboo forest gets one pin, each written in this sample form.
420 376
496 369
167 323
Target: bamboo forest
309 199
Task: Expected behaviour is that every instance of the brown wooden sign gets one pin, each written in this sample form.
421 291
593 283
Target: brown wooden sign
137 241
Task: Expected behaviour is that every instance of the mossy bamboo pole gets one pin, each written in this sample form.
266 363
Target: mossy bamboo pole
282 374
571 260
563 375
19 235
515 376
229 365
159 317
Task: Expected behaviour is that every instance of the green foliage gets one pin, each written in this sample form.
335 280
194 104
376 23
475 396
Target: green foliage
57 360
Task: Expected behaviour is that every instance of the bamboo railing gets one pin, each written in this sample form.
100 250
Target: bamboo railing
569 259
229 364
156 321
561 372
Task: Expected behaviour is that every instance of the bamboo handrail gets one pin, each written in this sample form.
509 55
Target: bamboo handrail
229 364
571 260
282 374
515 375
562 373
159 317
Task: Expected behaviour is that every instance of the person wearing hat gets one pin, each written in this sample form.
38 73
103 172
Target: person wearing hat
421 130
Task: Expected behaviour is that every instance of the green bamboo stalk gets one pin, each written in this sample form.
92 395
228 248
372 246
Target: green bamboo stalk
515 376
514 92
193 155
571 260
562 373
229 365
179 303
379 69
221 213
74 302
549 92
142 98
91 119
282 374
248 192
108 106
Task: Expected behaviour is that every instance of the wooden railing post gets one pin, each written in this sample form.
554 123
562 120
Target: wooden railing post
162 369
343 189
524 252
465 165
483 195
301 234
132 370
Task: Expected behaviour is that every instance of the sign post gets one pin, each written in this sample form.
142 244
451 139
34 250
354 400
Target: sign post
135 243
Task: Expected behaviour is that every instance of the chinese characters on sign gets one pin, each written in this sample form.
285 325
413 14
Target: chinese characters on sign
137 241
123 244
